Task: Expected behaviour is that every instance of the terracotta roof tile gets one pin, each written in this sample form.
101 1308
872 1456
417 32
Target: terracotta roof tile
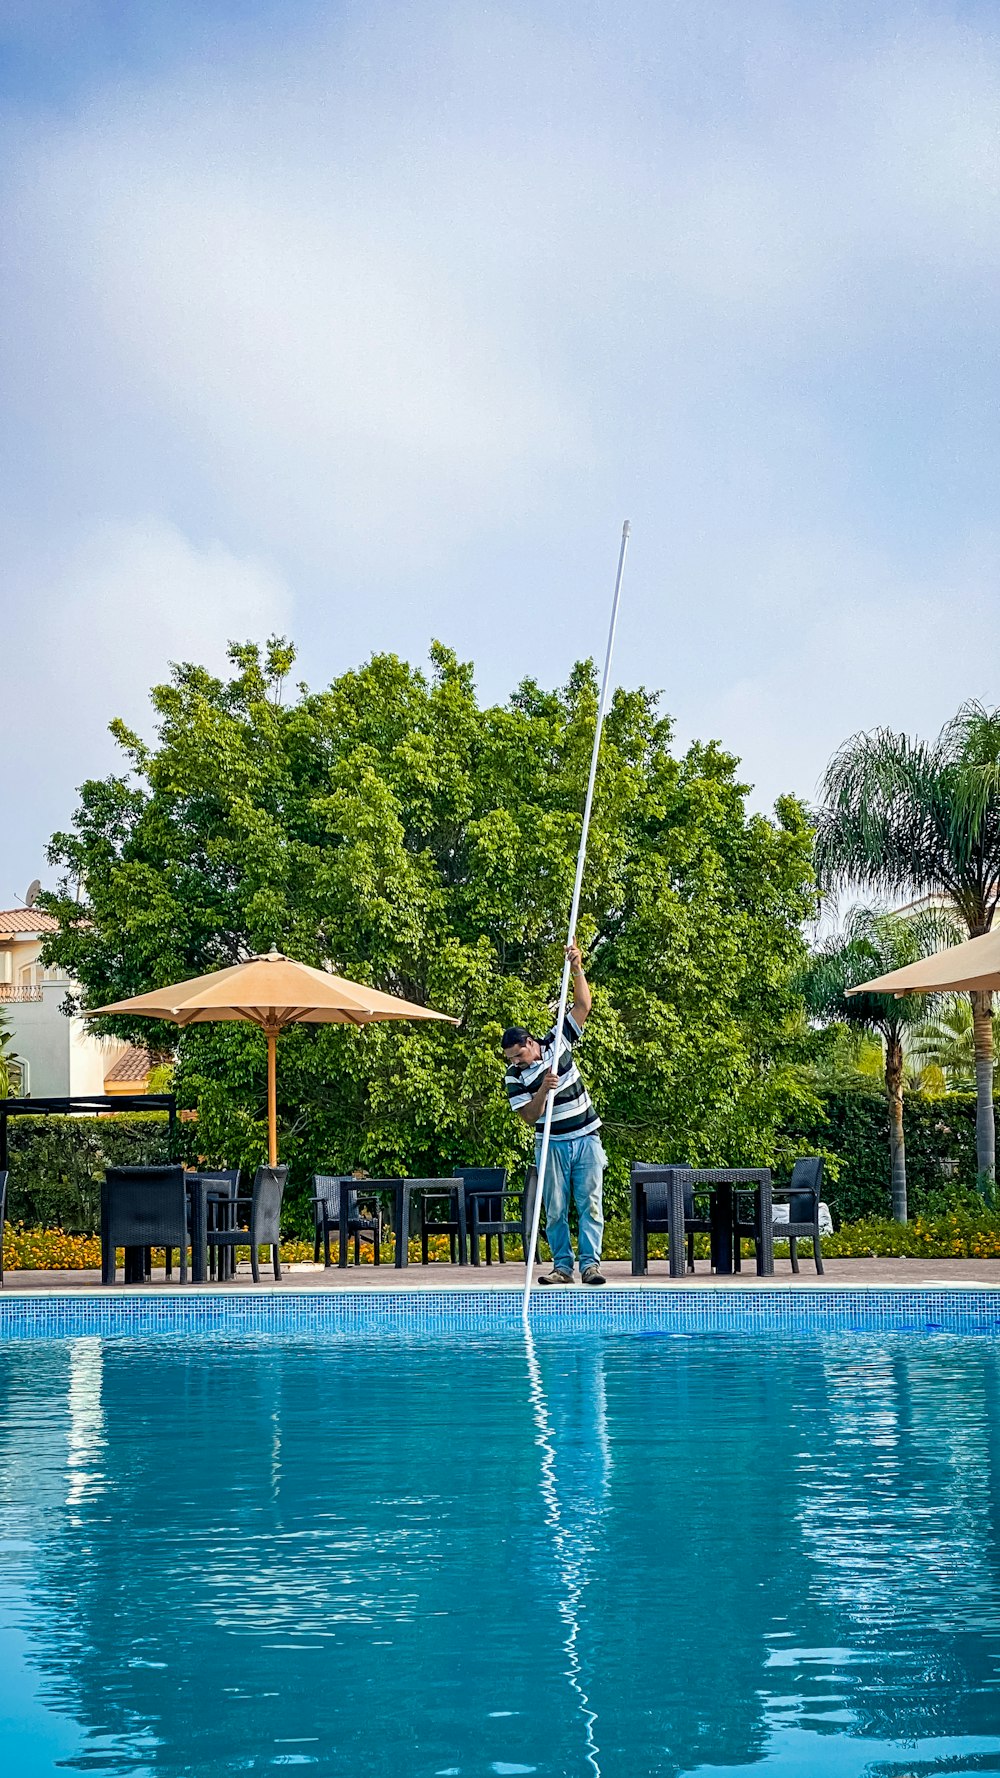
132 1064
26 920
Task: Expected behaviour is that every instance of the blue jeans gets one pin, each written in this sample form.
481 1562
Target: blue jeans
574 1166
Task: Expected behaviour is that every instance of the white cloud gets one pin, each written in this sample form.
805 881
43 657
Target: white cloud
416 309
134 596
342 384
853 648
124 602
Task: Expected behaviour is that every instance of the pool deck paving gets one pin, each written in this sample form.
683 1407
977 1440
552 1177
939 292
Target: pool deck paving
905 1274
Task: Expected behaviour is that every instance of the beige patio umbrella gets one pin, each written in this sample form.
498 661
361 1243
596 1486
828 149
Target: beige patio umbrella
271 991
974 964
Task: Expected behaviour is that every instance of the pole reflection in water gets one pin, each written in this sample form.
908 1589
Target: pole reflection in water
574 1511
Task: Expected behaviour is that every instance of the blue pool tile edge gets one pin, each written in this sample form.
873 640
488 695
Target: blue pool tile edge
138 1314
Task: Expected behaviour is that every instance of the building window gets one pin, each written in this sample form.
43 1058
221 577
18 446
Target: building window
33 975
20 1077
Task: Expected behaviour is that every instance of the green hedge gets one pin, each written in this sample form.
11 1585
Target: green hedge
56 1164
853 1131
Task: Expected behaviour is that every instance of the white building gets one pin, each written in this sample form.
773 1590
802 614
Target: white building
59 1057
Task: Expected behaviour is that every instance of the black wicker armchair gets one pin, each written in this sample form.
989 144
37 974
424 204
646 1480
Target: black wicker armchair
438 1207
363 1223
457 1222
142 1207
222 1185
802 1195
496 1213
652 1212
263 1221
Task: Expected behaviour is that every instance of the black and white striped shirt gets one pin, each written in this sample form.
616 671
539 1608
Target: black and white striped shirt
573 1114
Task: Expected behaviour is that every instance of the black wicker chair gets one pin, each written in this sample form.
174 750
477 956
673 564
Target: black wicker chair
802 1195
651 1185
225 1183
264 1221
3 1218
362 1224
492 1213
142 1207
442 1211
457 1220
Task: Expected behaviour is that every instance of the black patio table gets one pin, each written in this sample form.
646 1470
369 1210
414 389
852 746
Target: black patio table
723 1186
401 1191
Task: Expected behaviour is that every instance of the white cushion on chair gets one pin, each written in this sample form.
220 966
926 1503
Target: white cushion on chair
825 1219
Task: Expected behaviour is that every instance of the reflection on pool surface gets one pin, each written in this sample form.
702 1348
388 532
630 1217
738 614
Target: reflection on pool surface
456 1556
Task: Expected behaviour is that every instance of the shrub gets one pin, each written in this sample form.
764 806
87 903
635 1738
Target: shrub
960 1235
56 1164
853 1132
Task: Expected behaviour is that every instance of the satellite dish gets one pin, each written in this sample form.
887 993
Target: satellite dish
34 891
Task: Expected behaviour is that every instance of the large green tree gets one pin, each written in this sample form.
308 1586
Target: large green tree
393 828
871 944
903 816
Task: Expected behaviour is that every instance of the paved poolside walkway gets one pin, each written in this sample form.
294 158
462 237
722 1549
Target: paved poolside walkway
904 1273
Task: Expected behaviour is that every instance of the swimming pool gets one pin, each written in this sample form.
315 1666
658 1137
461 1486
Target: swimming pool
445 1552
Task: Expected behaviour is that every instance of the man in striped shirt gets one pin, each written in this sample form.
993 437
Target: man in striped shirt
576 1160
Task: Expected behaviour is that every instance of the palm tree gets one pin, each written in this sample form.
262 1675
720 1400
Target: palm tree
946 1040
5 1057
872 943
903 816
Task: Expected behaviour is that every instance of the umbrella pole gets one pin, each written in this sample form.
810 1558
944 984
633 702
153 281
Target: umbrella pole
574 910
272 1096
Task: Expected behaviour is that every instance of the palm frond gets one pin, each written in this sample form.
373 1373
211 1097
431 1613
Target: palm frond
945 1040
872 943
905 815
971 745
853 1059
877 826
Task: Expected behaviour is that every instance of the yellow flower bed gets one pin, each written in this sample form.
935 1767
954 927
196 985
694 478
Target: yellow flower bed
50 1250
958 1236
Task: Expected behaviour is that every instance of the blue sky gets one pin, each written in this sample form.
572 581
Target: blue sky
369 324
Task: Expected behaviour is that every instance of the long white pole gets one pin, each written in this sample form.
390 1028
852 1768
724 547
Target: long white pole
581 860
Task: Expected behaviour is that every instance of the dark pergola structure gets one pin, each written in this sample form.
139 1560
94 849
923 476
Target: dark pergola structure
88 1104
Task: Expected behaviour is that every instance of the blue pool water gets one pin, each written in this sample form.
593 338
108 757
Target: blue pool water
455 1556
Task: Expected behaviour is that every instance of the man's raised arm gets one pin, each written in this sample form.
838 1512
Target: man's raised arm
581 990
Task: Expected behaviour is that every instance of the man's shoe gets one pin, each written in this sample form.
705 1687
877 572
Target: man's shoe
594 1275
555 1277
